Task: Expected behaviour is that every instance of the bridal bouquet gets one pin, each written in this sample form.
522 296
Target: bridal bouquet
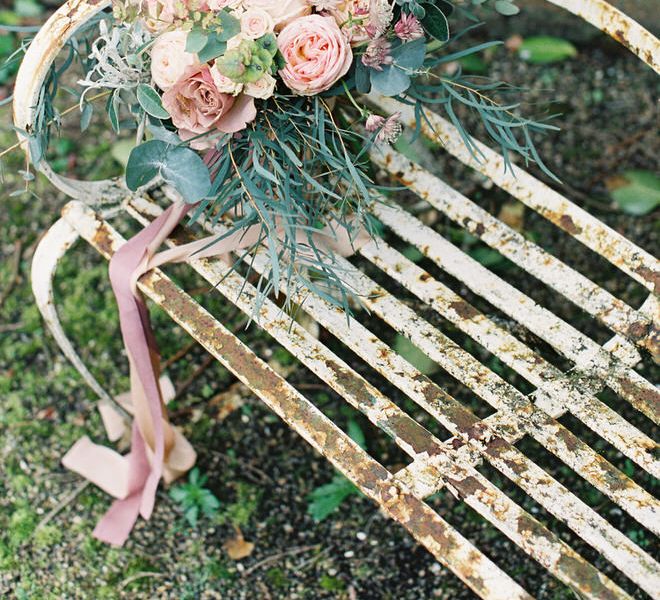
256 109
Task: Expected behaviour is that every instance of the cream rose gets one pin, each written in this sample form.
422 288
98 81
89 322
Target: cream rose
256 23
224 84
235 42
316 54
262 88
169 58
282 11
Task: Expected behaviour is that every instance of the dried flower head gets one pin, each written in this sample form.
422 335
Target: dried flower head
377 54
389 129
408 28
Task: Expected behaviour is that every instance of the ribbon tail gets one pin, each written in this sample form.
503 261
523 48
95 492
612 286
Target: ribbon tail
117 523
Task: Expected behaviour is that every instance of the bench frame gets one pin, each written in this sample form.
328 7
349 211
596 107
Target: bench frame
435 464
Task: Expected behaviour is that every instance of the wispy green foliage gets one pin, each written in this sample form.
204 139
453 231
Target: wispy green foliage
300 175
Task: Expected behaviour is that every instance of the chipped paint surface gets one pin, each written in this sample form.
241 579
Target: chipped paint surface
621 252
488 500
445 543
622 28
436 464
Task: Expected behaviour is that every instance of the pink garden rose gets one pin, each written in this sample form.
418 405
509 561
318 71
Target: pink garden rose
316 54
169 58
282 11
197 106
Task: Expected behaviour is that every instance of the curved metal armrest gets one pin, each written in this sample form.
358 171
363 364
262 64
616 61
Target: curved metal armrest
39 58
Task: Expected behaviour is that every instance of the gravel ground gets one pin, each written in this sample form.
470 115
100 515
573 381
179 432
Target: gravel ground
261 472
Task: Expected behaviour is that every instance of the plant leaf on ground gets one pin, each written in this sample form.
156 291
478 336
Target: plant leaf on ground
545 49
635 192
325 499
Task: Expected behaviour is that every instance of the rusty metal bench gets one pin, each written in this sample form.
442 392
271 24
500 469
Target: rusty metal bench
434 463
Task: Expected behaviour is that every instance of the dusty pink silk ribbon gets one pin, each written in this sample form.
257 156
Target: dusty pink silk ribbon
157 449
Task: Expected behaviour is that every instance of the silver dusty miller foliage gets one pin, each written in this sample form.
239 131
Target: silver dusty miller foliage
120 58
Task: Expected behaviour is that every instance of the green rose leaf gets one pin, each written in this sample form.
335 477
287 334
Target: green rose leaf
435 23
177 165
196 40
544 49
636 192
150 101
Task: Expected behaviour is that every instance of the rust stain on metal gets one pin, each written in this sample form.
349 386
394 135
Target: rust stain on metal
567 223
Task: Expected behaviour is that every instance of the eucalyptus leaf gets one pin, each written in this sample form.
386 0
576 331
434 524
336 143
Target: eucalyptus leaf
150 101
546 49
229 26
213 48
86 116
393 79
636 192
506 8
113 111
410 55
195 40
435 23
144 163
177 165
362 79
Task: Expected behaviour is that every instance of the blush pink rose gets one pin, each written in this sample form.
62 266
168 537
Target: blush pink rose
282 11
198 107
316 54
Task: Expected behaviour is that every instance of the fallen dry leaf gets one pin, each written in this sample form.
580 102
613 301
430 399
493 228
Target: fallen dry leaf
513 214
514 42
238 548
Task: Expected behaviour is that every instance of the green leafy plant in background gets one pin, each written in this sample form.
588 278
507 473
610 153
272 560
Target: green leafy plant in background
194 499
544 49
506 8
636 192
325 499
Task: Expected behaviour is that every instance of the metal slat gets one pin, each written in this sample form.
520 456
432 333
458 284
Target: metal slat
587 355
444 542
611 311
620 251
564 395
640 568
